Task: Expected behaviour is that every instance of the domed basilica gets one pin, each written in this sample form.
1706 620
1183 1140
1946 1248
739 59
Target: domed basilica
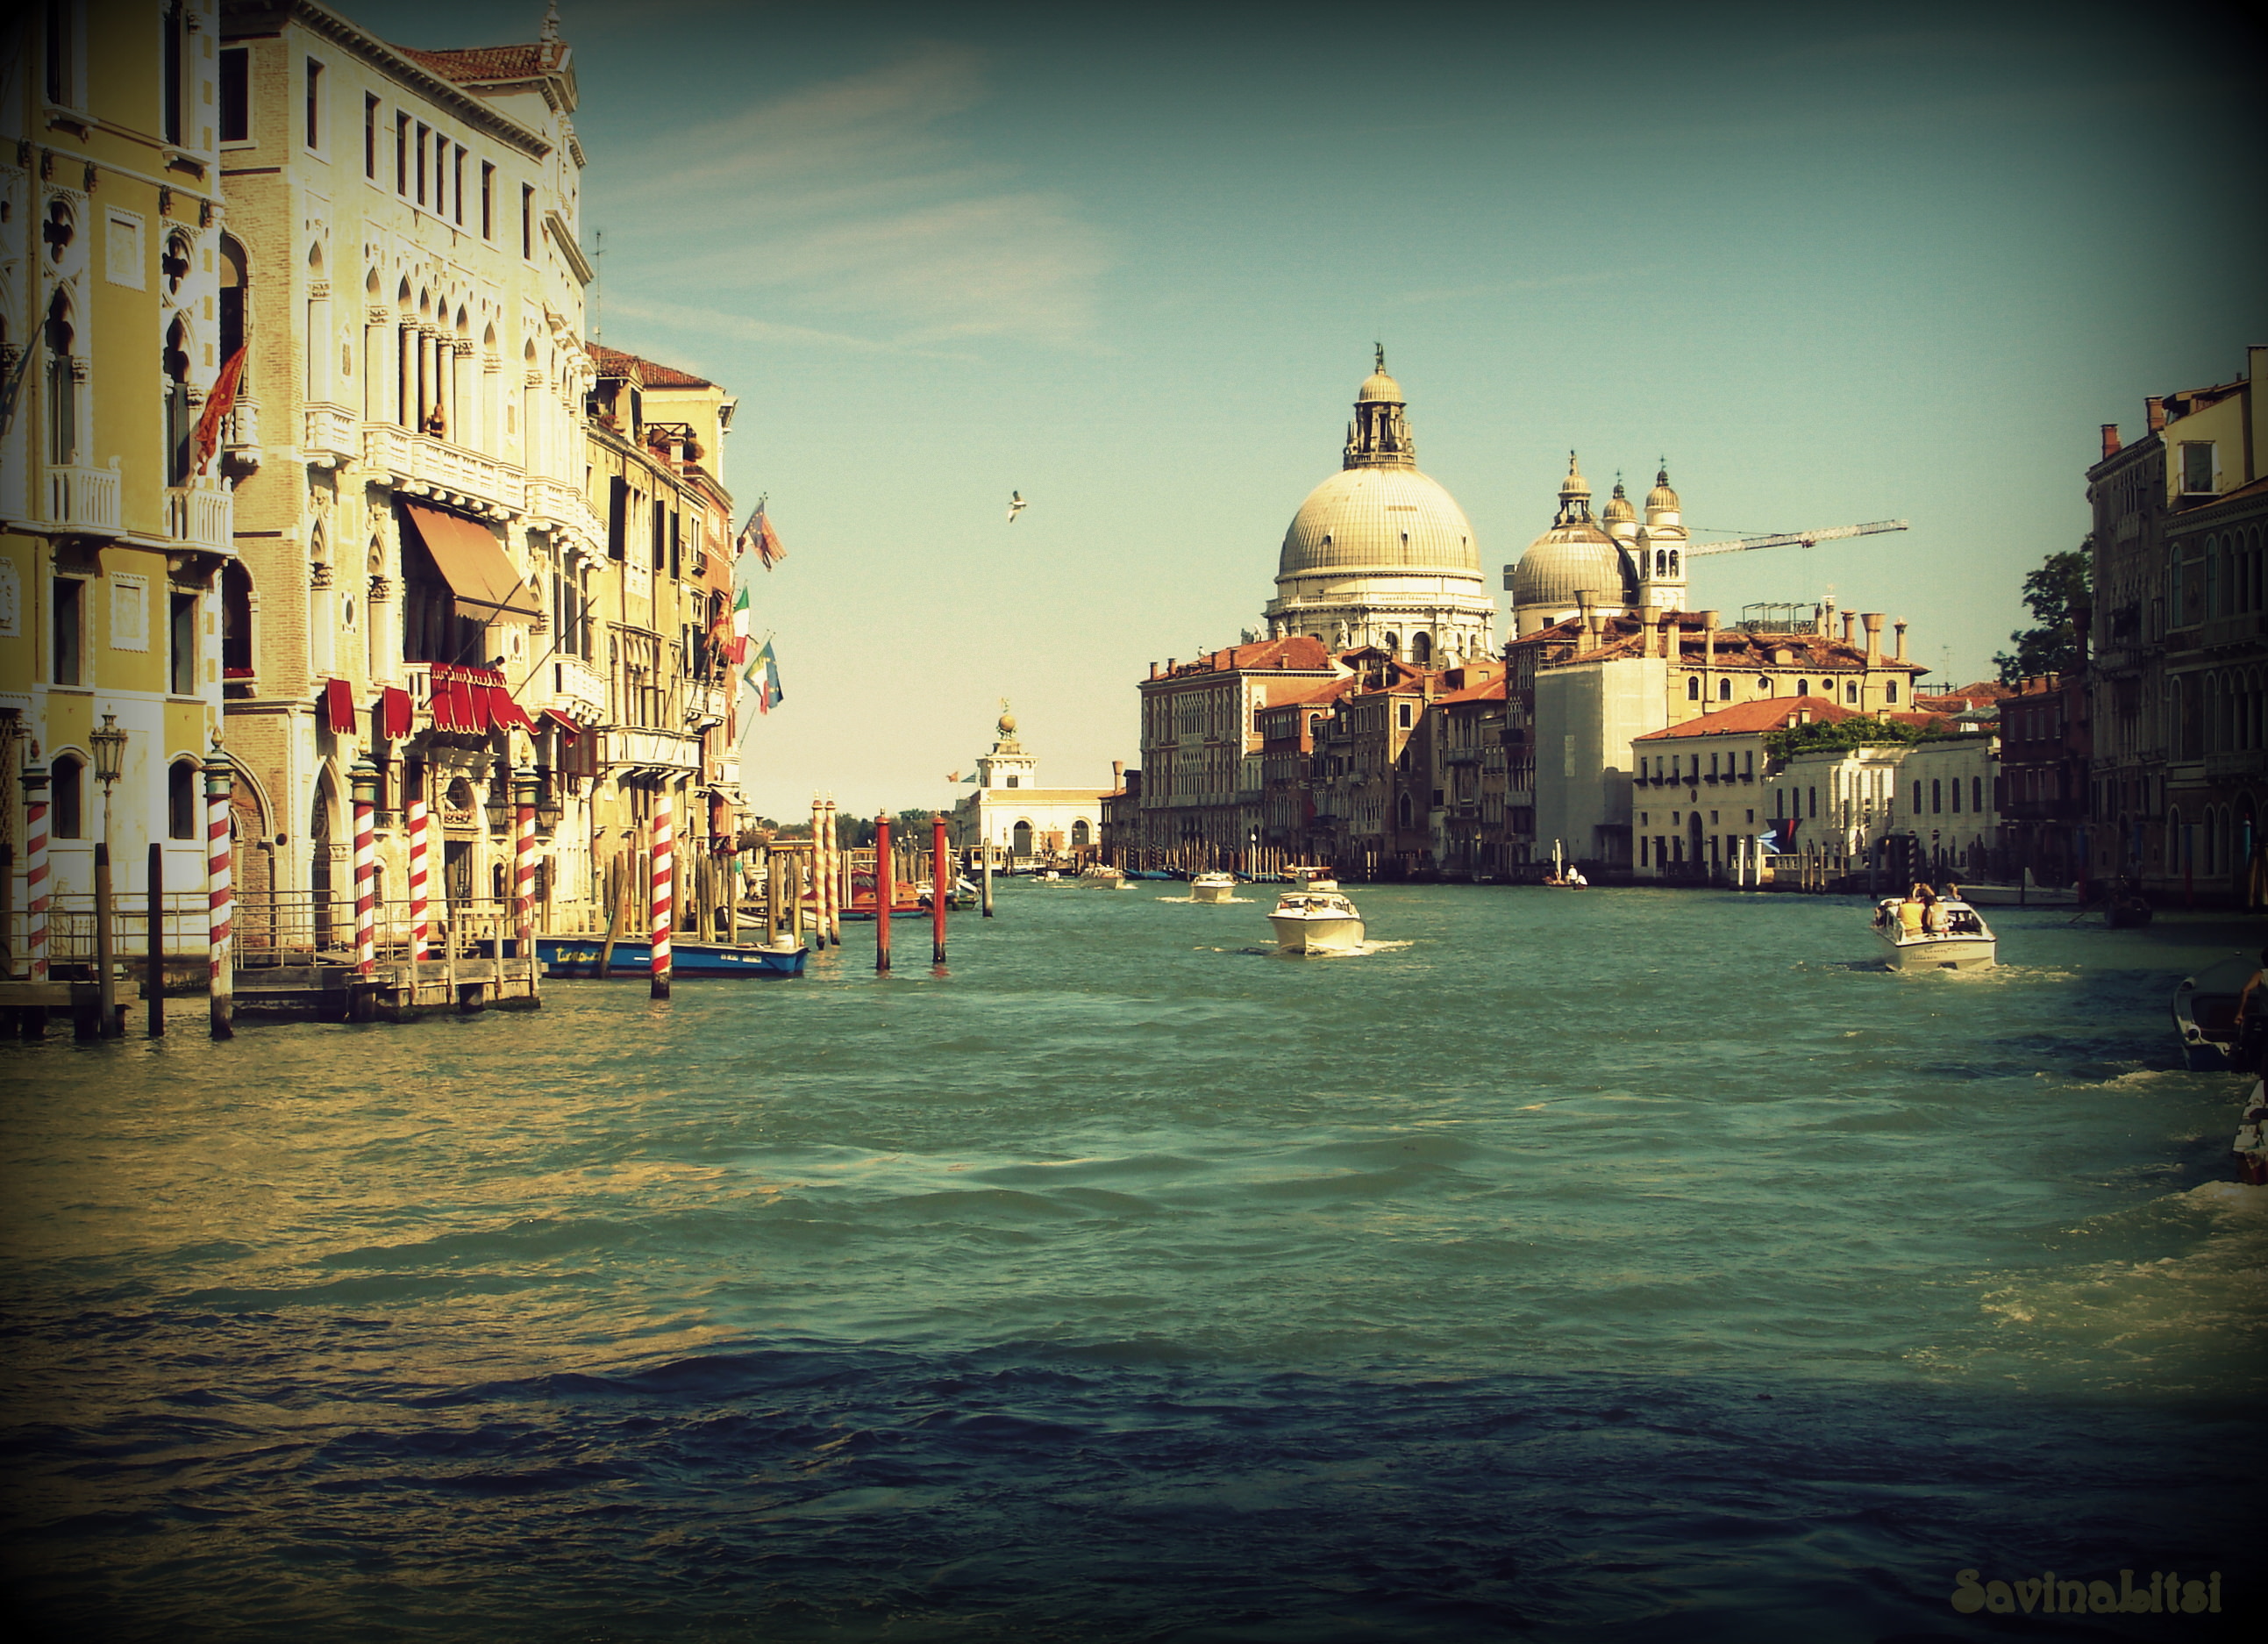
1379 554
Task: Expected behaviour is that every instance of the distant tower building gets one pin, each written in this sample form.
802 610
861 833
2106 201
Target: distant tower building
1007 766
1660 548
1381 554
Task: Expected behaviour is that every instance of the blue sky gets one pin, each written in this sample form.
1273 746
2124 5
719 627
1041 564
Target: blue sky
1835 264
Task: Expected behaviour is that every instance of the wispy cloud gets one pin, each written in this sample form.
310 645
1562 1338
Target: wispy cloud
850 214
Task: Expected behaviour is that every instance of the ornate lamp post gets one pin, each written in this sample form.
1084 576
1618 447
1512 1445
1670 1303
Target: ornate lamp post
108 743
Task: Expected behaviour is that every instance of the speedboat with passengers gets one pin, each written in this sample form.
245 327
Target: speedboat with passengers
1961 941
1213 887
1310 921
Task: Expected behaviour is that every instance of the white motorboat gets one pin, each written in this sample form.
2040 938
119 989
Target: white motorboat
1962 942
1102 876
1307 921
1312 878
1213 887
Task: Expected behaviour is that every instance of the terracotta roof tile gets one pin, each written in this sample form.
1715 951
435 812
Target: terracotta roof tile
614 362
1772 714
483 65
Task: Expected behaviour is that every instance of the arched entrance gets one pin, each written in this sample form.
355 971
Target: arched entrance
1020 840
319 865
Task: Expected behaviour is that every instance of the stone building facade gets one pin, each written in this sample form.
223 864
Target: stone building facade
117 319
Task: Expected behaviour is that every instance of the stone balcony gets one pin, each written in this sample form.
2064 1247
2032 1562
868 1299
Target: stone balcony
632 748
330 436
578 689
201 515
421 465
84 499
564 508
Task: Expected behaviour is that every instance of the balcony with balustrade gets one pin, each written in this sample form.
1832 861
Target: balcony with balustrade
330 437
84 499
423 465
201 516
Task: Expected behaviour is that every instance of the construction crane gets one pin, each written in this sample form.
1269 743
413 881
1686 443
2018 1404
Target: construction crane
1794 539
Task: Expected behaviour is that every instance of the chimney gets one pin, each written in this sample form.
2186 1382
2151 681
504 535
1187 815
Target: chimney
1117 775
1153 670
1873 622
1850 619
1901 626
2109 440
1647 622
1709 660
2154 412
1585 602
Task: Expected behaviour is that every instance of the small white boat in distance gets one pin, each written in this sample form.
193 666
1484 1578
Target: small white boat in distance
1307 921
1102 876
1964 942
1213 887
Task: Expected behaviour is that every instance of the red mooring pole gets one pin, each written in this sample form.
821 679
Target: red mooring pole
939 884
885 893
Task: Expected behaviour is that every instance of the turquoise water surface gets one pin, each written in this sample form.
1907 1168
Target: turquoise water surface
1622 1264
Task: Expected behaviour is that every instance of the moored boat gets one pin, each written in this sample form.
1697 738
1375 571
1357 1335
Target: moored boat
2205 1013
578 956
1963 942
1308 921
1213 887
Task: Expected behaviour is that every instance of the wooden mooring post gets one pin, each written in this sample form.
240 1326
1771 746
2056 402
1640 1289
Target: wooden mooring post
940 887
885 891
155 973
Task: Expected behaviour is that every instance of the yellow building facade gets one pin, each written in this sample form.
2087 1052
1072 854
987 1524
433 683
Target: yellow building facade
115 323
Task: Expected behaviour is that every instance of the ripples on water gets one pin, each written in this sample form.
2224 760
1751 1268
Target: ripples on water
1630 1265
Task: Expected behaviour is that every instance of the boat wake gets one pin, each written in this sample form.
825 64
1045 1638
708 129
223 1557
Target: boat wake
1361 950
1224 902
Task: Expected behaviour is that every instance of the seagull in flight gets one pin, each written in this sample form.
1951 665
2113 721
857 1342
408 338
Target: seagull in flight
1016 505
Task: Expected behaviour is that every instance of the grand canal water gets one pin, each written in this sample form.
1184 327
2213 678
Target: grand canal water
1630 1264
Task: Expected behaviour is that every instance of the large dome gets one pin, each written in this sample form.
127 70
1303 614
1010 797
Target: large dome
1563 562
1379 519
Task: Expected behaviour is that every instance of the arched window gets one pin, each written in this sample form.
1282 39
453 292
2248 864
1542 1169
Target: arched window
1421 649
1850 690
1393 643
182 799
1936 796
1692 688
1020 839
62 385
1401 810
1803 688
235 620
235 292
1673 563
1917 798
1725 690
174 362
66 796
1079 834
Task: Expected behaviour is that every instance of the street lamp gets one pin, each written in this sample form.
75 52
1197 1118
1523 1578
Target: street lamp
109 745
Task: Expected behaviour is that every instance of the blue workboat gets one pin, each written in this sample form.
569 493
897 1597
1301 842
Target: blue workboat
578 956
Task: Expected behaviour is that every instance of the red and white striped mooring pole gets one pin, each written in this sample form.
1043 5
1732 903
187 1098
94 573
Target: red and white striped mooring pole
420 832
220 897
38 892
362 783
662 851
523 901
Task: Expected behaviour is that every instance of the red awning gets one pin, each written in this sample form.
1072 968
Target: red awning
504 712
475 565
339 708
395 717
568 728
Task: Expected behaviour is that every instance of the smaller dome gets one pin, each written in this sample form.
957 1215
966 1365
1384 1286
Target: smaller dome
1618 507
1378 387
1566 560
1661 495
1574 485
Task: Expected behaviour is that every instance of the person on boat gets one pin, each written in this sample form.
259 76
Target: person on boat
1909 914
1933 912
2250 1051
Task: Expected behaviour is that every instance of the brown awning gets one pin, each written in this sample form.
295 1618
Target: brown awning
488 589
